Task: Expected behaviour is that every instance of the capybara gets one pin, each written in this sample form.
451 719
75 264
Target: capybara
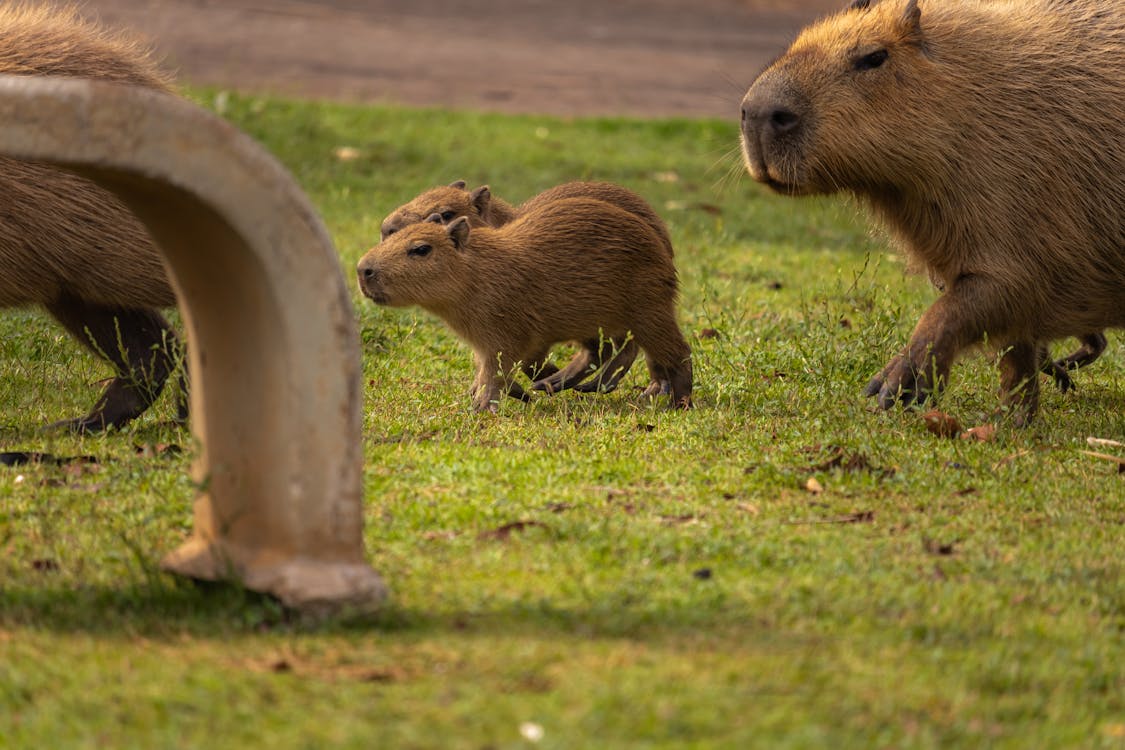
69 245
572 269
612 358
989 139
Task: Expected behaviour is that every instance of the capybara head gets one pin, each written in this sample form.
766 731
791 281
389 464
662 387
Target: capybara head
844 97
423 264
447 201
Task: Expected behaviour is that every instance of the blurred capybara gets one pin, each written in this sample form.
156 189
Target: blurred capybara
989 139
571 269
69 245
613 358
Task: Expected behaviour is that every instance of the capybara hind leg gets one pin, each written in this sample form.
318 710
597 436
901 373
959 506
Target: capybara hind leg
669 361
1092 347
618 356
574 372
1019 381
138 342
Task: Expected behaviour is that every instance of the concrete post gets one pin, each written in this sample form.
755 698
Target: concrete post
274 355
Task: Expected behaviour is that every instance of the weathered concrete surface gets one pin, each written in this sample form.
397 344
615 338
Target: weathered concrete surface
274 355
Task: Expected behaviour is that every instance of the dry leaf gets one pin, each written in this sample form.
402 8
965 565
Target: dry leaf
502 533
814 486
941 424
981 433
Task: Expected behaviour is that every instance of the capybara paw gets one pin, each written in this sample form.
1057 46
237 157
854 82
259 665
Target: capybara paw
903 382
1058 371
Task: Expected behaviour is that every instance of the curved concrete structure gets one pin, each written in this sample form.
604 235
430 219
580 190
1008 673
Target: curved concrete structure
274 356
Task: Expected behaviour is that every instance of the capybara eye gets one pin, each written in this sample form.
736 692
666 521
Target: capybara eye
447 216
389 231
420 250
871 60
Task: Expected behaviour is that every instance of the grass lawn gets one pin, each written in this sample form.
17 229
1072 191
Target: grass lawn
782 567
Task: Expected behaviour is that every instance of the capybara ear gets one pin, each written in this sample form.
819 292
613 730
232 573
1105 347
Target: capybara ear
911 24
481 197
859 5
458 231
433 219
458 184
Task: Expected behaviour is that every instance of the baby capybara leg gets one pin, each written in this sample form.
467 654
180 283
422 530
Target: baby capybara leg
538 366
1019 381
584 362
616 357
138 342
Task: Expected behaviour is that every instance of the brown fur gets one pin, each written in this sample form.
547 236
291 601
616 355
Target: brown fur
988 136
612 358
554 274
69 245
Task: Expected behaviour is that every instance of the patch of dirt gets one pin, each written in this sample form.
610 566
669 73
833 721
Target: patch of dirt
648 58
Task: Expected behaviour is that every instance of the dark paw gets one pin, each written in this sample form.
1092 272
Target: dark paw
903 382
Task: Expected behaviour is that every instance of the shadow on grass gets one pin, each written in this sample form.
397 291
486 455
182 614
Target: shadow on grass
168 607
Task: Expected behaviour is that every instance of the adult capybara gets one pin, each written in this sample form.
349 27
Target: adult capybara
989 138
612 358
572 269
69 245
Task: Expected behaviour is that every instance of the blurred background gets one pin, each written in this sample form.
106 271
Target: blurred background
649 58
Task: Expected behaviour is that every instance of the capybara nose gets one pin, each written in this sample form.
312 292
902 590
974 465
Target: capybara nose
766 112
783 121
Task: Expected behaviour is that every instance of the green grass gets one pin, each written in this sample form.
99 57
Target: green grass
677 584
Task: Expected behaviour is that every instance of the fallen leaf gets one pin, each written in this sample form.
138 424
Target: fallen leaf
502 533
710 208
559 507
433 535
153 450
703 574
44 565
981 433
814 486
347 153
708 333
934 547
280 666
749 508
680 520
941 424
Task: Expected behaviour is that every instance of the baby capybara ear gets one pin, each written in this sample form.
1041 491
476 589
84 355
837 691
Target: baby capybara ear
434 218
458 184
481 198
458 231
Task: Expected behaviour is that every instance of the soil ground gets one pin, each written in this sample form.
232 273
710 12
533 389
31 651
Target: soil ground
649 58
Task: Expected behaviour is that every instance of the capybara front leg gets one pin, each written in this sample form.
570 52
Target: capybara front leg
1019 381
959 318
